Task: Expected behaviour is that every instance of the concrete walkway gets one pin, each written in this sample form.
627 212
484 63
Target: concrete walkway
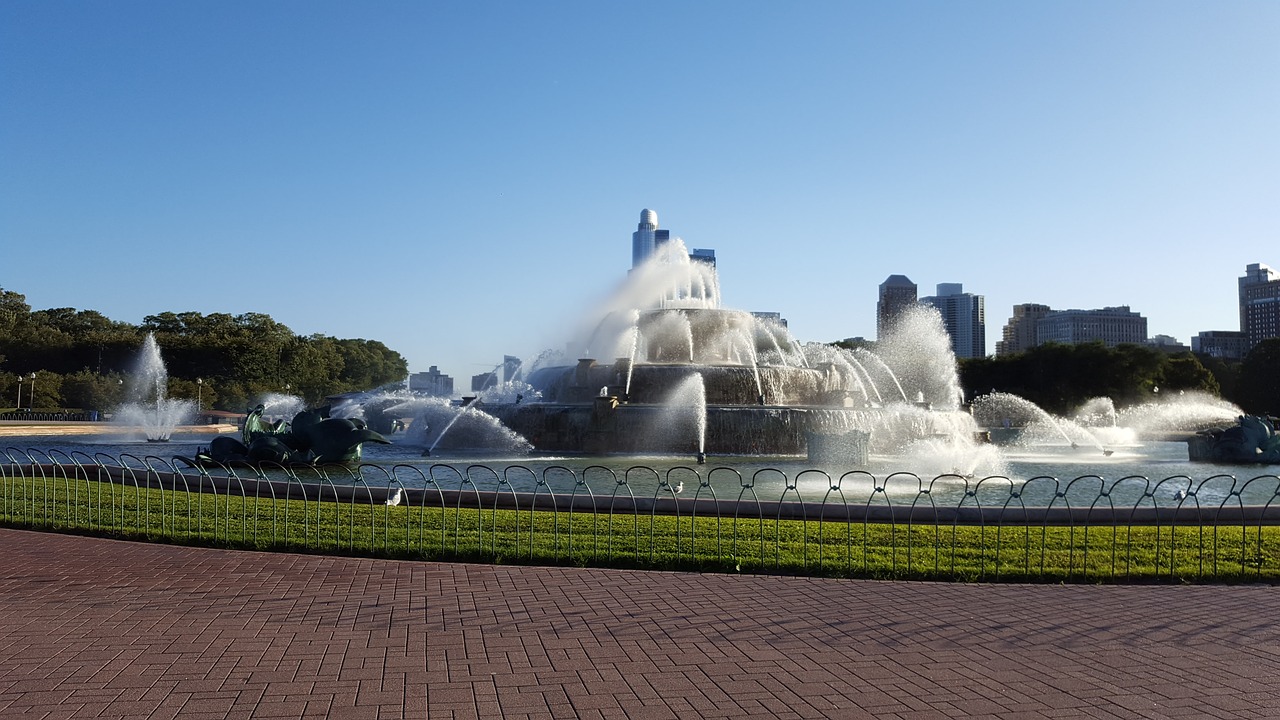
95 628
29 428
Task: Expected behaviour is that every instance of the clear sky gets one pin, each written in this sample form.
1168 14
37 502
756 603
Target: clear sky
460 180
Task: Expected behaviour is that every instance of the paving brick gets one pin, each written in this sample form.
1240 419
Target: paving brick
120 629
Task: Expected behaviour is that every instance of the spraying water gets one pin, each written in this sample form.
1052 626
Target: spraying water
1005 409
149 406
686 409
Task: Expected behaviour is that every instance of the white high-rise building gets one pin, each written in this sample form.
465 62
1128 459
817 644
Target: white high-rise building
965 317
647 237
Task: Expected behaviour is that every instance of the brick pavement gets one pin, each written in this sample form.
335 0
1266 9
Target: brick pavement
93 628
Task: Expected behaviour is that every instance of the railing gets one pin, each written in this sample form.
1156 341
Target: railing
900 526
45 416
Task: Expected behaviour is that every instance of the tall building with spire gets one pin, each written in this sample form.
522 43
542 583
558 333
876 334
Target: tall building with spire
647 237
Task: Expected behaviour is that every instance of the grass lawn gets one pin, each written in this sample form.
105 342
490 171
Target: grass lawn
1096 553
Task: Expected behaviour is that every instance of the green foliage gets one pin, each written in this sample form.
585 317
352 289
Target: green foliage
1060 378
79 354
91 391
1259 390
1185 371
13 309
1226 373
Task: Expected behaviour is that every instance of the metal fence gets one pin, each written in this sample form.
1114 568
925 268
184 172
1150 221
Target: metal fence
901 526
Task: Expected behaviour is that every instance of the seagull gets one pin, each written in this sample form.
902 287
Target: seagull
1180 495
678 488
394 498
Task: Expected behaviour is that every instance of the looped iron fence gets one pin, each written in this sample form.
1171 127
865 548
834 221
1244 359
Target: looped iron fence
1087 528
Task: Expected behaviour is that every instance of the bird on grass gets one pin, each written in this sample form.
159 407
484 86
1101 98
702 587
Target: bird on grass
394 498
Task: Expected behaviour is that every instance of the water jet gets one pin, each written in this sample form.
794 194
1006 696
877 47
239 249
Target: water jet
149 406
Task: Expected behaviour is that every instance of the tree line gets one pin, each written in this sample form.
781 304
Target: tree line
1061 378
82 359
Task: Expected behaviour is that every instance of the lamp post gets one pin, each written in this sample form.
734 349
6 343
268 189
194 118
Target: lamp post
199 395
19 405
31 395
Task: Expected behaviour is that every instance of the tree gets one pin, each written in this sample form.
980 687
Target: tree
13 310
239 357
47 392
204 393
1184 372
92 391
1226 373
312 363
1060 378
1260 379
8 389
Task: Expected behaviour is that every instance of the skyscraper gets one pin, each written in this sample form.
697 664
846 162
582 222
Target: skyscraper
647 237
1019 333
1259 303
965 317
897 293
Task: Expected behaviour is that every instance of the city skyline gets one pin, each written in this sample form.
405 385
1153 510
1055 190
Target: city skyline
461 182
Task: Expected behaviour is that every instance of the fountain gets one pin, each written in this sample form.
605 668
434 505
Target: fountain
149 406
281 406
662 369
437 424
1174 415
1016 419
760 392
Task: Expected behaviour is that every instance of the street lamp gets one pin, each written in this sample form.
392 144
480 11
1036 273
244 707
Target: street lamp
19 405
199 395
31 399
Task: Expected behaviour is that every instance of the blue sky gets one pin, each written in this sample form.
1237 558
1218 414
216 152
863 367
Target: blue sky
460 180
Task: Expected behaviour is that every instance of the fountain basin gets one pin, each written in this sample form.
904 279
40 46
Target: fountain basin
651 383
616 428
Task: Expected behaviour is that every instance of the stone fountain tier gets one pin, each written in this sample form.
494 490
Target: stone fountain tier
605 426
608 426
701 335
650 384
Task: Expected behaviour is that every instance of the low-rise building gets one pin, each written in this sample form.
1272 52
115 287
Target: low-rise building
432 382
1110 325
1167 343
1221 344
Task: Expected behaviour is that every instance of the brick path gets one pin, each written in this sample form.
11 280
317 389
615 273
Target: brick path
95 628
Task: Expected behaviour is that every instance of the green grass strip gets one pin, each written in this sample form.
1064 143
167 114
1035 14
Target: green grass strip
1095 553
